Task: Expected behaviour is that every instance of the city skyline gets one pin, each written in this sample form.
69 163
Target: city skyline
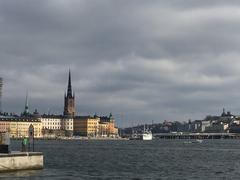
142 61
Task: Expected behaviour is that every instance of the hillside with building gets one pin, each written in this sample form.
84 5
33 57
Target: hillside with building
224 123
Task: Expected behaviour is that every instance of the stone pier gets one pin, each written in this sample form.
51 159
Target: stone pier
21 161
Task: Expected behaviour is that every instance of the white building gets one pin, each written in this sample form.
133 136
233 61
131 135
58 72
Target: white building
51 122
67 124
55 122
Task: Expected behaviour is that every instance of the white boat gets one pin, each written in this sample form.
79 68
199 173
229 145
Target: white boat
194 141
199 140
134 137
146 135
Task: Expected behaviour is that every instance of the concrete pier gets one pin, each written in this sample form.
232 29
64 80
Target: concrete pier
21 161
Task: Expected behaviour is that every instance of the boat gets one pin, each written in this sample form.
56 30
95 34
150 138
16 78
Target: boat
199 140
146 135
194 141
134 137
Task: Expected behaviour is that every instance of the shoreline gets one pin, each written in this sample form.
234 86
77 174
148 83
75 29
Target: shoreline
79 138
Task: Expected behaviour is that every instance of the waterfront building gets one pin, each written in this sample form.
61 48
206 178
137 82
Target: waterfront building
69 100
219 127
4 126
52 126
58 125
18 126
67 125
103 126
205 124
95 126
111 130
51 122
196 126
86 126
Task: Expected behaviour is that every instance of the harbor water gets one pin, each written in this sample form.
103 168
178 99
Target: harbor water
157 159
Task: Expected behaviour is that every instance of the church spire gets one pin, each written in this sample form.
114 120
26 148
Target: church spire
26 109
223 113
69 99
69 90
26 103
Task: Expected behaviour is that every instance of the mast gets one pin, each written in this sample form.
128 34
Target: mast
1 83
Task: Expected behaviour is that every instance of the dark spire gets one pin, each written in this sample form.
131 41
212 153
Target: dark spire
26 110
26 104
69 90
223 113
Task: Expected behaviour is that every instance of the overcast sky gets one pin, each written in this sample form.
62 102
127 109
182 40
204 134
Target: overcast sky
142 60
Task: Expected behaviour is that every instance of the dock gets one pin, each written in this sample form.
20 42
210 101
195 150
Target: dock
196 136
21 161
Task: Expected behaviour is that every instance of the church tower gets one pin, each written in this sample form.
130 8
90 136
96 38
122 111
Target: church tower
69 99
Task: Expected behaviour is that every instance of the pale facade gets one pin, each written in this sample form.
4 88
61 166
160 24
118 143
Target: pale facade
4 126
51 122
103 129
109 122
67 124
18 127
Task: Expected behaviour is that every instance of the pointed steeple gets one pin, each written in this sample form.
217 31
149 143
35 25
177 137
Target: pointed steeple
69 99
223 113
26 109
26 104
69 90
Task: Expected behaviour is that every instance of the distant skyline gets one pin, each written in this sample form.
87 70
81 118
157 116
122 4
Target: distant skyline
141 60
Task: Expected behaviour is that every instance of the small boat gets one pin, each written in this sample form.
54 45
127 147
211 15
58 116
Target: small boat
193 142
134 137
199 140
146 135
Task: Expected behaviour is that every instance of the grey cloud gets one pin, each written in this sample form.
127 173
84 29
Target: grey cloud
148 60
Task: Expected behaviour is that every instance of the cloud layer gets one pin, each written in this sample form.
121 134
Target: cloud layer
141 60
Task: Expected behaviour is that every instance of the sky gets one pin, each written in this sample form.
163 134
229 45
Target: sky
142 60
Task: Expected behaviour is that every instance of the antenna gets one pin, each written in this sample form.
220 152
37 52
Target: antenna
1 84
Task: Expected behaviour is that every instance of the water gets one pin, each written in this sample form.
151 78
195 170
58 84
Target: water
158 159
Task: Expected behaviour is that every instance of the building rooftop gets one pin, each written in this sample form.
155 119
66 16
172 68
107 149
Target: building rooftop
19 119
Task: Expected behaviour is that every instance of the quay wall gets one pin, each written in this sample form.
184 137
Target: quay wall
21 161
197 136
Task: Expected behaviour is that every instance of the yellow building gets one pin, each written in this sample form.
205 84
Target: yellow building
94 126
18 126
4 126
103 126
109 122
86 126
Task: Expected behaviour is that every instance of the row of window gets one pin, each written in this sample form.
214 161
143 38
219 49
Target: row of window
51 123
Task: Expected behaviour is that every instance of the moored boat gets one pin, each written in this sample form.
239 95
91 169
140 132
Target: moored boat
146 135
